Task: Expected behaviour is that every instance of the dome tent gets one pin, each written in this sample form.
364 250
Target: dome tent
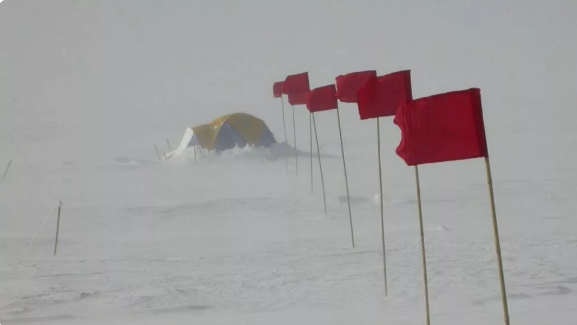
227 132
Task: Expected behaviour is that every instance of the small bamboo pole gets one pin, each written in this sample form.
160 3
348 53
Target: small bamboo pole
423 254
157 153
311 146
57 227
7 167
346 179
382 214
284 129
497 242
295 141
320 164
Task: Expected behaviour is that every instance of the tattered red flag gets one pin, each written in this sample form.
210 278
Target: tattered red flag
322 99
349 84
443 127
382 96
298 98
277 89
296 83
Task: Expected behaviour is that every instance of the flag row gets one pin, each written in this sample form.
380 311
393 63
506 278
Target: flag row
438 128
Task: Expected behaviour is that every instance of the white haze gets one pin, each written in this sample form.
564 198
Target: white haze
88 87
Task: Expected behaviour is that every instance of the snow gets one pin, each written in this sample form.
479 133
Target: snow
188 134
234 238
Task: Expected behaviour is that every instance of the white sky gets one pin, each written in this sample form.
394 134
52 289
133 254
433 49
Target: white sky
169 64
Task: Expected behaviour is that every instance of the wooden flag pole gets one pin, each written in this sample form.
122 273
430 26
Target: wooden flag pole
311 145
497 242
168 143
320 165
295 140
423 255
284 128
57 227
7 167
346 179
382 214
155 148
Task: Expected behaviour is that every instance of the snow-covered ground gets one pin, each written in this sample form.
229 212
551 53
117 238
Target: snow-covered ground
235 238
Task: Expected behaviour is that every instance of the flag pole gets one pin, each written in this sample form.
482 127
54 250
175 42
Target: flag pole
7 168
284 128
497 241
381 197
346 180
295 140
57 227
156 149
423 255
168 143
320 165
311 145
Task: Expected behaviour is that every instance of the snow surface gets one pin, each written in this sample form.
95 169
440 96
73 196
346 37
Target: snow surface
235 238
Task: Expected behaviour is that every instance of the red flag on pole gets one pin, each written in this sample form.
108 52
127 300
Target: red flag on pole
349 84
322 99
382 96
443 127
298 98
296 83
277 89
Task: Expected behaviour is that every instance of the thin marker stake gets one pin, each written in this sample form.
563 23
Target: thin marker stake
423 254
295 140
320 165
382 214
311 146
284 129
346 179
57 227
7 167
158 154
497 242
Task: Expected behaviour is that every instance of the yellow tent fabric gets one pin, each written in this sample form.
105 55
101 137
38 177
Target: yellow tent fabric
206 135
248 126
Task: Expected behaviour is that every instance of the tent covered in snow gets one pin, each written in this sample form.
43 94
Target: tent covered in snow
227 132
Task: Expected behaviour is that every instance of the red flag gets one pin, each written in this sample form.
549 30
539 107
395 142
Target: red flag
381 96
443 127
277 89
349 84
296 83
322 99
299 98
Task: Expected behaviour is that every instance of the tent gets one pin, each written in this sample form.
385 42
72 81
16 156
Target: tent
227 132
